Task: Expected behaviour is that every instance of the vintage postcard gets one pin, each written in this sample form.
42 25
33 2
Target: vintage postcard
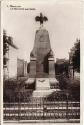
40 62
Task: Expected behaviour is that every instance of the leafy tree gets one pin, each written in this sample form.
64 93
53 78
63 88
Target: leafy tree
76 56
7 40
5 44
61 66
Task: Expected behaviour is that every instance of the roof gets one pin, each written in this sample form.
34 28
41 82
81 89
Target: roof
10 42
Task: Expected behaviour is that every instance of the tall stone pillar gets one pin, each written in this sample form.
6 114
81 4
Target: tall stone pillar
51 67
25 68
32 67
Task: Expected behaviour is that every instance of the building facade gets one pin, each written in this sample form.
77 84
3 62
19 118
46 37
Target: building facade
10 61
21 68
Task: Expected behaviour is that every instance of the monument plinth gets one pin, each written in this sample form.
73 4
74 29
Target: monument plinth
42 65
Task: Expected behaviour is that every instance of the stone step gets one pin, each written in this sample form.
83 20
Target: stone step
42 93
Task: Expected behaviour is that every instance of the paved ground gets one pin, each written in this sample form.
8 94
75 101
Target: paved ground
41 124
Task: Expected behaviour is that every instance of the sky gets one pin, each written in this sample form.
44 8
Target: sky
63 24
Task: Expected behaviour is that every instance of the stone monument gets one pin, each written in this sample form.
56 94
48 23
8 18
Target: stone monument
42 64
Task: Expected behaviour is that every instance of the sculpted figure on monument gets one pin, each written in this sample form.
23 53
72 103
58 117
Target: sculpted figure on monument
41 18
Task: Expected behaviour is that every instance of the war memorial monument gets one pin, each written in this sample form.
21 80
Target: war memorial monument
42 64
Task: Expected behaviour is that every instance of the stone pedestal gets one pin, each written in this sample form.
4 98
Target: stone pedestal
51 67
32 73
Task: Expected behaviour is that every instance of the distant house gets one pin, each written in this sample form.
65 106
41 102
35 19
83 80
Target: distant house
21 68
10 59
12 66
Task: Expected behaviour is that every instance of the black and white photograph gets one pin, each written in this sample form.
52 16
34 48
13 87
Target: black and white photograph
41 61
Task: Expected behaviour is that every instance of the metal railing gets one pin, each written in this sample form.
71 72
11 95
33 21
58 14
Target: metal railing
60 105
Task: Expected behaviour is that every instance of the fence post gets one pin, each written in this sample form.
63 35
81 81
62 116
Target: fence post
67 94
43 107
19 106
10 108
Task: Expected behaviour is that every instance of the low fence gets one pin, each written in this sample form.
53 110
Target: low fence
60 105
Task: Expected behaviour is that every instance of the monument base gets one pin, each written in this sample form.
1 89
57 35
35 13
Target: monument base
43 87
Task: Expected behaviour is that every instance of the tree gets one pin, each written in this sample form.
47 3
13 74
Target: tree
7 40
75 57
5 44
61 66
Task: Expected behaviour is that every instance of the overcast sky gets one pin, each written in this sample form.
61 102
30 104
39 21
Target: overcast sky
63 24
